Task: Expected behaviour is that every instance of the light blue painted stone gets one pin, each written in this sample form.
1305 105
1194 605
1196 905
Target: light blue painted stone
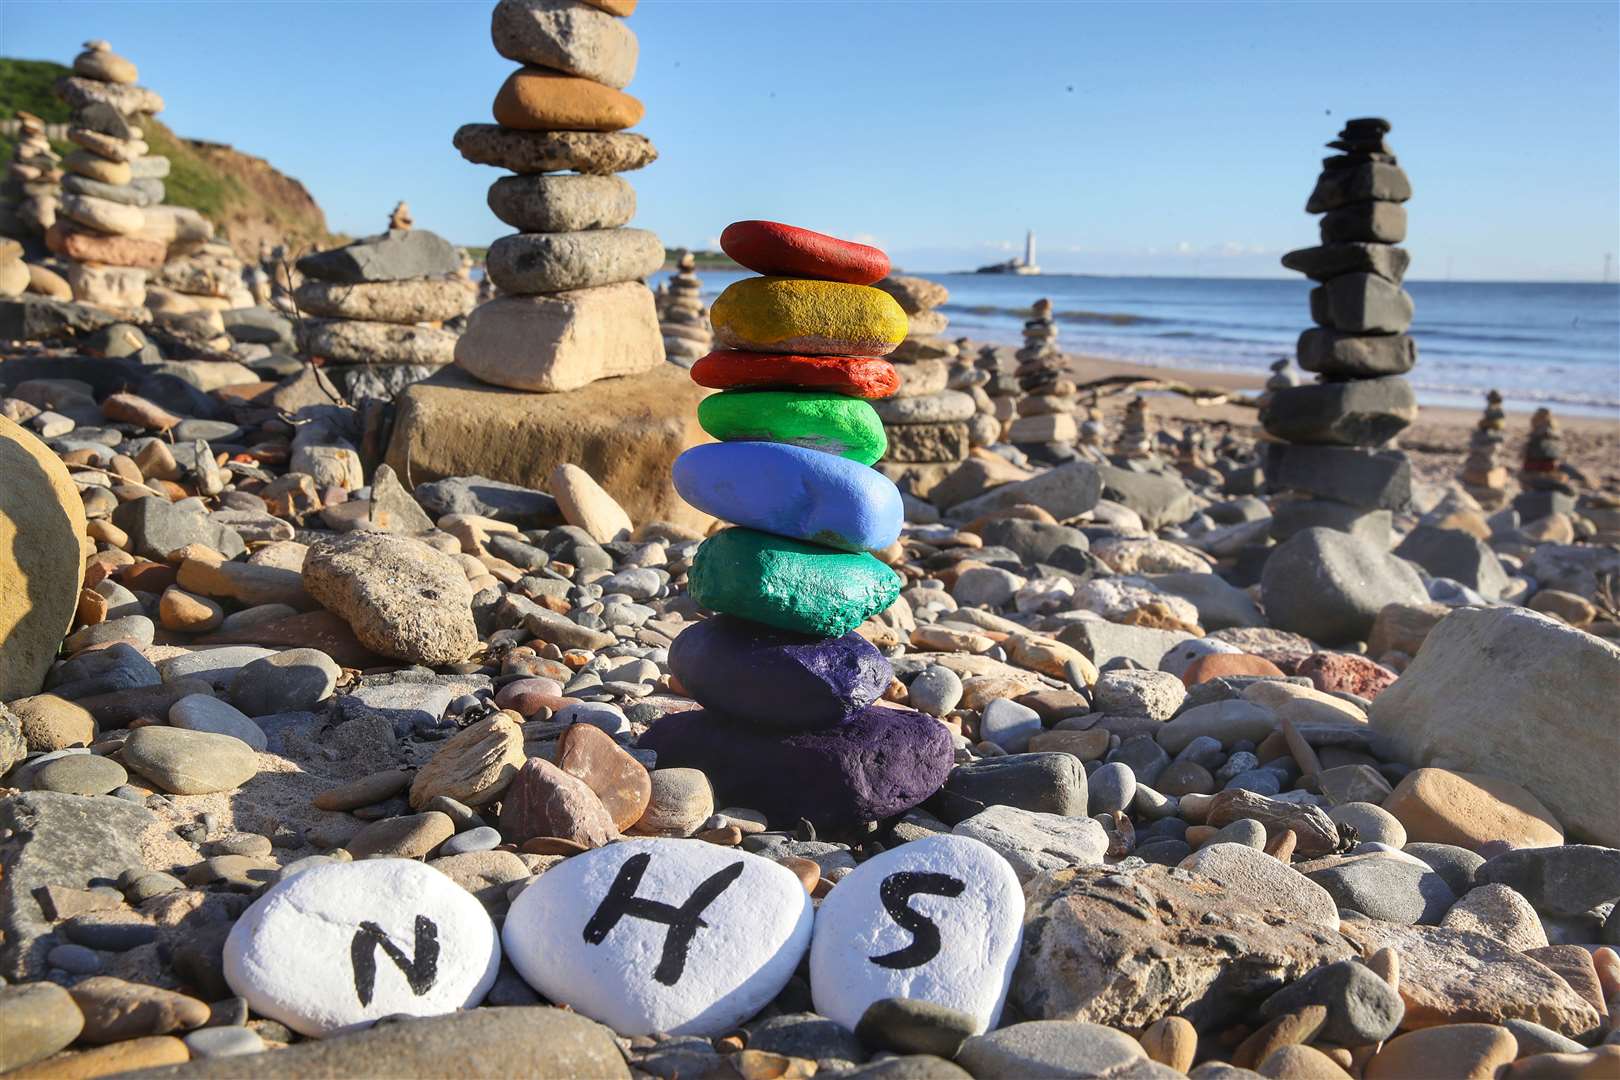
793 492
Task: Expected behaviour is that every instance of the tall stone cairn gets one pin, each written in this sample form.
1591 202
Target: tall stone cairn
573 306
1134 441
682 318
1046 427
1330 432
32 189
1483 476
927 420
102 224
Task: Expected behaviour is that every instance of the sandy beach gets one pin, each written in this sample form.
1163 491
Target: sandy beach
1437 442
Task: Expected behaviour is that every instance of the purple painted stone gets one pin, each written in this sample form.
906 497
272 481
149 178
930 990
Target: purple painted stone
776 678
882 762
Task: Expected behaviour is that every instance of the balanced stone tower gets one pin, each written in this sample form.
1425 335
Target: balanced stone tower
1331 431
1546 489
788 724
574 307
1483 476
102 224
1134 441
927 422
681 317
33 186
1045 427
374 309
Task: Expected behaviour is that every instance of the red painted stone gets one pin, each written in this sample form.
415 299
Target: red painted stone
769 247
857 376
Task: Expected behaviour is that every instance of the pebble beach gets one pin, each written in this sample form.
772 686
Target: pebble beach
558 673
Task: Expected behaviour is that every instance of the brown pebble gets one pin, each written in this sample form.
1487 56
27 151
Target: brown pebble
763 1065
806 870
728 836
181 611
1281 847
143 576
115 1010
728 1044
1172 1041
551 845
120 1057
1296 1062
93 608
1386 964
106 532
1298 1027
1199 835
1469 1051
1603 1063
373 788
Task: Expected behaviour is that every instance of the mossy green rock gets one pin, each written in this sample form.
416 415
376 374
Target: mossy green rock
831 423
789 584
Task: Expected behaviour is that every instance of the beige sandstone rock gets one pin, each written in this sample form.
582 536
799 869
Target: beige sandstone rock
562 341
474 766
584 503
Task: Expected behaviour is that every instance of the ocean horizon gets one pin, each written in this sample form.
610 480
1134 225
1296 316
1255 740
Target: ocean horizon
1553 344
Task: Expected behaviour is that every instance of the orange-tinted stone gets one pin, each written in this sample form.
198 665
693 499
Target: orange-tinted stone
775 249
538 99
857 376
620 782
1221 665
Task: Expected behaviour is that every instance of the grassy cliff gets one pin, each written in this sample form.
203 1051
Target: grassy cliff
244 196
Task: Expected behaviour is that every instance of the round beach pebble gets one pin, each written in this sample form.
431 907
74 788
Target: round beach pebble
938 920
816 420
880 763
857 376
770 247
338 947
793 492
776 679
583 935
539 99
821 318
788 584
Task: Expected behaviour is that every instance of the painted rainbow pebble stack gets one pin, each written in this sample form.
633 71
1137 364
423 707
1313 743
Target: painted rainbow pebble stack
789 723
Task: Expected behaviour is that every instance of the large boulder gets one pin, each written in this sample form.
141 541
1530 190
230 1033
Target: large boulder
401 597
1330 586
1511 693
625 432
41 558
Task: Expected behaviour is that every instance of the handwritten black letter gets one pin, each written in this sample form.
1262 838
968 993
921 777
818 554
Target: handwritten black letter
683 922
896 892
420 974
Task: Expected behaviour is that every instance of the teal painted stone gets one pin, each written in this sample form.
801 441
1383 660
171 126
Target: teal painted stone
815 419
789 584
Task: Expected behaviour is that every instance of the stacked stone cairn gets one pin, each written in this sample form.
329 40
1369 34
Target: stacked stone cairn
682 318
1483 476
199 283
574 307
1134 442
33 186
1092 432
374 310
103 224
1331 432
787 686
927 420
1546 490
1045 428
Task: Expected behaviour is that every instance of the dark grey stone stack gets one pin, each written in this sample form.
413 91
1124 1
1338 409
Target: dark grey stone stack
1331 430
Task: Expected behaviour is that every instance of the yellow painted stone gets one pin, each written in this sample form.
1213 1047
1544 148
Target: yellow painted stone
814 318
41 558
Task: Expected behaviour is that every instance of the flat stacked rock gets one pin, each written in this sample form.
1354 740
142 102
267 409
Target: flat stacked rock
574 307
1482 475
200 282
382 300
927 422
682 318
1359 349
102 224
788 688
1045 427
32 189
1546 490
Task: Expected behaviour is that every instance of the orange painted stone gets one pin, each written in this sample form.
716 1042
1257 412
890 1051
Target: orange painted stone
775 249
1219 665
621 8
539 99
857 376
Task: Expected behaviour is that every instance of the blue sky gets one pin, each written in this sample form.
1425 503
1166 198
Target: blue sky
1134 138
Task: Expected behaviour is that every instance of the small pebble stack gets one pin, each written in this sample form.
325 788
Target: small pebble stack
1546 490
574 308
1134 440
1482 475
1045 426
32 189
682 318
787 686
1359 349
382 300
928 419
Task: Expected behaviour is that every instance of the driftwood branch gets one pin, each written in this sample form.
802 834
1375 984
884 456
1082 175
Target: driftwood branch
1202 395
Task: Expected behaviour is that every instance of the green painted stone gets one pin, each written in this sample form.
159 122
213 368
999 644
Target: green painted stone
831 423
790 584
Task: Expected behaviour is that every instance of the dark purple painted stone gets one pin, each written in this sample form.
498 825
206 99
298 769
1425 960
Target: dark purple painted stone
882 762
776 678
